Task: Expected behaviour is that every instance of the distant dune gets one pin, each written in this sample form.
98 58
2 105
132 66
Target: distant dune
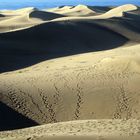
80 10
73 70
42 15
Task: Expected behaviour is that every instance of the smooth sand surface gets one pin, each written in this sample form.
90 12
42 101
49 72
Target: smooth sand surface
73 70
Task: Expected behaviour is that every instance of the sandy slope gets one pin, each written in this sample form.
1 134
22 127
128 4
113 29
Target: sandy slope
79 130
93 86
24 18
97 76
80 10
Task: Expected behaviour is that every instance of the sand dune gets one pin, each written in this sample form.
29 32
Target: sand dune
80 130
80 10
93 86
44 42
24 18
118 12
44 15
89 11
74 69
28 17
100 9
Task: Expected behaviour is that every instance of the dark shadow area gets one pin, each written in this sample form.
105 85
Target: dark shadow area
129 24
10 119
52 40
1 15
100 9
44 15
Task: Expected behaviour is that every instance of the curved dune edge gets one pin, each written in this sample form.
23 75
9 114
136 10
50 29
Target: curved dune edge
27 17
79 10
118 11
115 12
81 129
85 10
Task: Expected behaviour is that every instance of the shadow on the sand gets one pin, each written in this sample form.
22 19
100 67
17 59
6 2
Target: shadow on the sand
10 119
24 48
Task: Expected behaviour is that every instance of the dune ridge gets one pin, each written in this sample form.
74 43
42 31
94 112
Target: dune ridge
118 12
79 10
25 15
73 70
87 129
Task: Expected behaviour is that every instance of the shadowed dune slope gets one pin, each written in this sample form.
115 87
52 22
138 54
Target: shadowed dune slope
44 15
2 15
57 38
100 9
79 10
54 39
10 119
118 11
127 26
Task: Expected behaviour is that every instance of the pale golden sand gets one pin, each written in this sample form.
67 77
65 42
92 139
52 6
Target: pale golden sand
91 92
81 130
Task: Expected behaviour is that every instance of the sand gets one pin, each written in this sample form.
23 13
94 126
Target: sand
72 70
79 130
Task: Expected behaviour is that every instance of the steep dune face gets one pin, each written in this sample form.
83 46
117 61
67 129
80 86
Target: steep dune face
42 15
97 76
120 19
126 25
64 36
56 39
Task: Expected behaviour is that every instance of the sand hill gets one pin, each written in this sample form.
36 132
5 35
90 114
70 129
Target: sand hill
79 10
118 12
73 70
42 15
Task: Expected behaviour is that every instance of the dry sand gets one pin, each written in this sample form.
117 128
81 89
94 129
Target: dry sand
75 70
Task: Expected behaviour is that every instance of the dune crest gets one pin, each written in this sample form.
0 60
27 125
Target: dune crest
118 12
25 10
79 10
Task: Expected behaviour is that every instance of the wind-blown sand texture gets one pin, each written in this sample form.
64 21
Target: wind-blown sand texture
73 70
